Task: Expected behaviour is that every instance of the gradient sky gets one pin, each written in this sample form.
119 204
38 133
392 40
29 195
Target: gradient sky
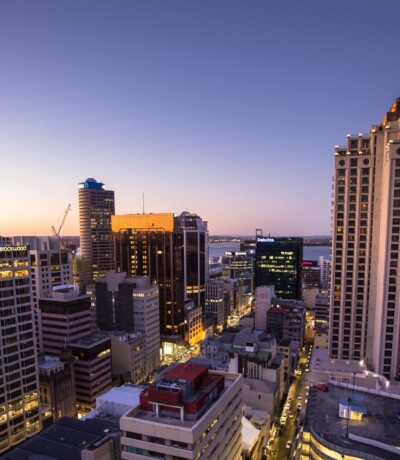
228 109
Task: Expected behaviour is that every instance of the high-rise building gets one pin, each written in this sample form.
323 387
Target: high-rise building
365 302
130 304
50 267
311 274
240 266
19 380
195 256
278 262
96 206
65 317
173 251
93 375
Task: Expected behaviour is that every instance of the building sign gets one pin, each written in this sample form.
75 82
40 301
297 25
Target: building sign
12 248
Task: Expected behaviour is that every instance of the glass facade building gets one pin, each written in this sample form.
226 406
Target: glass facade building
278 262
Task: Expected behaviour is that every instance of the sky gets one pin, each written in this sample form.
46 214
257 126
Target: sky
227 109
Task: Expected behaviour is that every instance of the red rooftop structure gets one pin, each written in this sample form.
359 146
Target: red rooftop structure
185 391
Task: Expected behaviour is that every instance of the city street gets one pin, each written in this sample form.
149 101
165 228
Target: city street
279 448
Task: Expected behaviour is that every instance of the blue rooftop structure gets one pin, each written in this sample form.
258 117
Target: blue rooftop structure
92 183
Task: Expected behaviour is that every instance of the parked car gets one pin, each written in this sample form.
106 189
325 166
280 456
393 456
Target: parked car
289 444
323 388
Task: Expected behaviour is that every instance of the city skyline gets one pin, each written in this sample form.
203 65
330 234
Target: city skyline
228 110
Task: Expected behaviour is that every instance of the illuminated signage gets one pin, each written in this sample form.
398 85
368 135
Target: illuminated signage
265 240
12 248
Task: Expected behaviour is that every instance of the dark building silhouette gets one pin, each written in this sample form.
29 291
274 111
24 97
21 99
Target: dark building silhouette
278 262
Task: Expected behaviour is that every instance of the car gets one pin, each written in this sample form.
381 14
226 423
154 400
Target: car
289 444
323 388
299 405
299 397
291 415
298 410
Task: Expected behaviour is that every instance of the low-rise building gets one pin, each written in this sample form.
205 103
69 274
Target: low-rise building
57 388
190 412
71 439
128 353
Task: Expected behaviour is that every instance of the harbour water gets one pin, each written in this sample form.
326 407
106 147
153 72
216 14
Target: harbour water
309 252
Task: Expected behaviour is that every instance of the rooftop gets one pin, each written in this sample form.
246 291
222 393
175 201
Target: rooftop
64 440
186 371
379 423
188 423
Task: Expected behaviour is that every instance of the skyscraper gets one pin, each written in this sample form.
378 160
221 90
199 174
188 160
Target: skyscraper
49 267
150 245
278 262
19 381
173 251
96 206
195 256
365 302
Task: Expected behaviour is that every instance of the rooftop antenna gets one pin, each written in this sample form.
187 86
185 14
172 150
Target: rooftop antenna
143 203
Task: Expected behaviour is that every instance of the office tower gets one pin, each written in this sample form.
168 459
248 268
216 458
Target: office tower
364 315
195 255
239 266
311 274
50 267
65 317
190 412
153 245
130 304
278 262
220 300
93 375
194 325
96 206
19 381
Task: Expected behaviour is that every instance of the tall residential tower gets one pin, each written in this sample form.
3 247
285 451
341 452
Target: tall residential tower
365 297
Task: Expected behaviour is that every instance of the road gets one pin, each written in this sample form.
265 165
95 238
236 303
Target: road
278 449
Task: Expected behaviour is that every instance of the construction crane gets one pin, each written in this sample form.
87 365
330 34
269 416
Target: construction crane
57 232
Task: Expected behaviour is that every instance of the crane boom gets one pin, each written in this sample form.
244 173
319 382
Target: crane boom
57 232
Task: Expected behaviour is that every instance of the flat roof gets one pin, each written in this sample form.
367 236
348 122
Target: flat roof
151 416
186 371
379 423
64 440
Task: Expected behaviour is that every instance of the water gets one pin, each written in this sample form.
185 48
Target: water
309 252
